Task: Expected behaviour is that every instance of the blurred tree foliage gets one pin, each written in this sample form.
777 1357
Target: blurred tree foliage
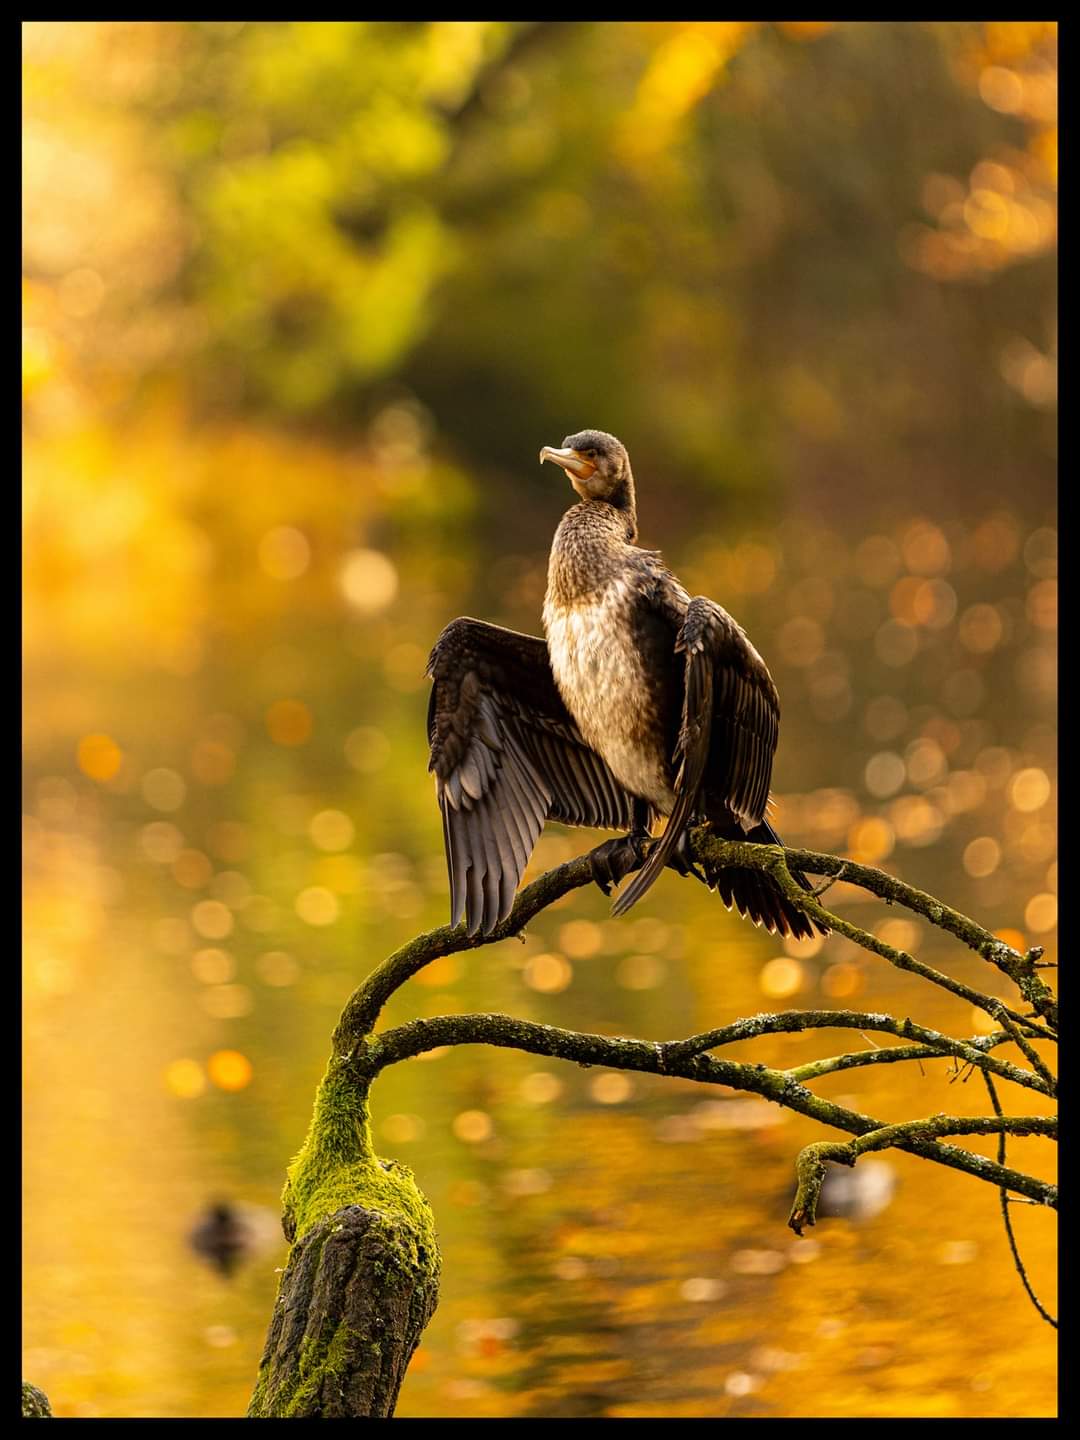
759 247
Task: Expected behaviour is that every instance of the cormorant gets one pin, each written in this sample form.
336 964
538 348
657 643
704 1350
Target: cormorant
641 702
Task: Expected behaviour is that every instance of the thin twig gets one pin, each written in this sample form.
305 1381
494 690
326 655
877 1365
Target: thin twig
773 860
1029 1050
1007 1218
793 1020
811 1164
1021 969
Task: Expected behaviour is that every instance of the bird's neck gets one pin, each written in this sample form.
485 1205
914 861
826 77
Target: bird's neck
590 549
624 502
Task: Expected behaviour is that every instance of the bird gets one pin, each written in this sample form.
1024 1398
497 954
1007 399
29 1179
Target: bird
221 1236
639 702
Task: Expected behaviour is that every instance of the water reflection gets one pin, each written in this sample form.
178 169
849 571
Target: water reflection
183 974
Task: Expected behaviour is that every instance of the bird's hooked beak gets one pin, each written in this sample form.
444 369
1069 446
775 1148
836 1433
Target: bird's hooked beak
574 463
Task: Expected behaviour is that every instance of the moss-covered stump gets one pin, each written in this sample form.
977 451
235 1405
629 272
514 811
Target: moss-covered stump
35 1403
362 1278
349 1316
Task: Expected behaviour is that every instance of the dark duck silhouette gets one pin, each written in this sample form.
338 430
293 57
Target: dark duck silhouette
642 702
221 1237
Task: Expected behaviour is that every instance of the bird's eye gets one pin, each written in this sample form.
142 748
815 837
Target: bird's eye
590 454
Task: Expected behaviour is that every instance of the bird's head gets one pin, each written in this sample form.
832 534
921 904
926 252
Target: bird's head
598 467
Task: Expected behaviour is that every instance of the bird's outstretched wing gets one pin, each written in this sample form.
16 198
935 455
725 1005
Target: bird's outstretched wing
727 739
507 756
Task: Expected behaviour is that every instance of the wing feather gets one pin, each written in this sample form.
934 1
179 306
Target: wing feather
506 756
727 738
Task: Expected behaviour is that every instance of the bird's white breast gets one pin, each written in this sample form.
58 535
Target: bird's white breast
601 678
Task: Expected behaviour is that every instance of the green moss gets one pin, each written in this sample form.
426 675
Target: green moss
35 1403
337 1166
319 1359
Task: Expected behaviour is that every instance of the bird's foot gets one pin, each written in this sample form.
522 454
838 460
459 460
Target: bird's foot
681 859
615 859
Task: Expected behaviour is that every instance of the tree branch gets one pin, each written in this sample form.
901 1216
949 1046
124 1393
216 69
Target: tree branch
648 1057
363 1274
792 1020
1007 1218
365 1004
773 859
811 1164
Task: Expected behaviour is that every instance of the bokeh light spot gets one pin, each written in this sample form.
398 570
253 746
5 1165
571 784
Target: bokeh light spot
926 764
547 973
277 968
318 906
192 869
99 757
1029 789
289 722
842 980
1041 912
163 789
185 1079
332 830
640 972
1042 605
611 1088
212 919
916 821
781 977
884 774
473 1126
580 938
402 1129
700 1288
981 629
212 762
541 1087
161 842
367 749
871 840
982 856
229 1069
801 640
213 967
369 581
284 553
442 971
900 934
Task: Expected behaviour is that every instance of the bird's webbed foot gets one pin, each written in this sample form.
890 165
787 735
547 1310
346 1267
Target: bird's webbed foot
615 859
681 859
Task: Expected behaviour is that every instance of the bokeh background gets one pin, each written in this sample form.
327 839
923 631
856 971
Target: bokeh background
301 302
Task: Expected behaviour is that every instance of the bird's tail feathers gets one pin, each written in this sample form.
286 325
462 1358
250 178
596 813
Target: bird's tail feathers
758 897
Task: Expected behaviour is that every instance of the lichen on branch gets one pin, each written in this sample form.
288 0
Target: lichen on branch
360 1228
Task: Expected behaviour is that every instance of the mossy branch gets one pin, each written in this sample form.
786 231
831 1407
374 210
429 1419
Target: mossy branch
360 1227
810 1165
657 1058
353 1039
778 862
